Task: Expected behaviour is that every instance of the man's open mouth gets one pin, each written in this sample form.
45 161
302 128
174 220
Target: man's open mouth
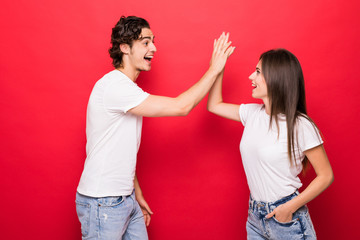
148 58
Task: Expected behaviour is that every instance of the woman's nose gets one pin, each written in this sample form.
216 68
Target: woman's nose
251 77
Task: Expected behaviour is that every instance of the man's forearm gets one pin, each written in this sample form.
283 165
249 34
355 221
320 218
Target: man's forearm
191 97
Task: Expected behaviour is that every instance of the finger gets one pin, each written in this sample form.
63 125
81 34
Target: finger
147 221
218 42
230 51
221 40
226 46
221 44
146 217
225 39
270 215
215 47
222 37
227 36
221 48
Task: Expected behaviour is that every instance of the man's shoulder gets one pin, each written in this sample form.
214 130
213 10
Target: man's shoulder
114 74
112 78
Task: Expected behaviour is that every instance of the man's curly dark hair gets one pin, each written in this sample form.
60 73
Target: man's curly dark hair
126 30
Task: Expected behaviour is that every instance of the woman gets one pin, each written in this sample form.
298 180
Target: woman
278 141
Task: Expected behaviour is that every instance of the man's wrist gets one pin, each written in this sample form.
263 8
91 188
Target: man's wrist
213 71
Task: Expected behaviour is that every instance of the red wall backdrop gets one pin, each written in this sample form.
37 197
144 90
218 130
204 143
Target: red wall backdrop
190 170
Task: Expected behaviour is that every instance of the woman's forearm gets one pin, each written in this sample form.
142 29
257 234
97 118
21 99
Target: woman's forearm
317 186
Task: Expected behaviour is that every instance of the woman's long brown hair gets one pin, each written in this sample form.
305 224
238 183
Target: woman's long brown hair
286 91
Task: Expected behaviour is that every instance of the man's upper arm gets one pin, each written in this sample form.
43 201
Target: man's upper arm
158 106
122 95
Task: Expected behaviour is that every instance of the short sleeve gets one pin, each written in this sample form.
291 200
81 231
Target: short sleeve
246 110
308 135
121 96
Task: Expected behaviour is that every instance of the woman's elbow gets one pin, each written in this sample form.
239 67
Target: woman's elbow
210 108
331 179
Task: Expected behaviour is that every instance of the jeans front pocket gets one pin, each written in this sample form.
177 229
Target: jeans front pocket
296 216
83 212
285 223
114 215
285 230
111 201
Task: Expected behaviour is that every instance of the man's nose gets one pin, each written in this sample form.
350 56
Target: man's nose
153 48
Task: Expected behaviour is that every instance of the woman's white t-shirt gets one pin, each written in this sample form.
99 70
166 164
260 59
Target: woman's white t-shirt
264 153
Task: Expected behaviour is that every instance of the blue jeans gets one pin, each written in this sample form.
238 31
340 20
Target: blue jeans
112 218
259 227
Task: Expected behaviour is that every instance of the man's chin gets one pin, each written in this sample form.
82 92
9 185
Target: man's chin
146 69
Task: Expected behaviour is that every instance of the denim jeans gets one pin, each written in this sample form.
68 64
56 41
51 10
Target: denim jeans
259 227
112 218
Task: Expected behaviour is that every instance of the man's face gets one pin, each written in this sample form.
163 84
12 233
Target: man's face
142 51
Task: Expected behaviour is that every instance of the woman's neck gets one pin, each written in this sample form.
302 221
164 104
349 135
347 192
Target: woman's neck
267 105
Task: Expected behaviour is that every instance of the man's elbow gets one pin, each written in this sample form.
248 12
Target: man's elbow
184 110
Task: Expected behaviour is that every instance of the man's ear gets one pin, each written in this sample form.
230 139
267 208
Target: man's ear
125 48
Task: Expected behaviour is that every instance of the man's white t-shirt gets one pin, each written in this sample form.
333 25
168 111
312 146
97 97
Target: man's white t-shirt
264 153
113 137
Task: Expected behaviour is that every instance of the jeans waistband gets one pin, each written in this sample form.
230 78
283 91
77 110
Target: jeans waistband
132 195
269 206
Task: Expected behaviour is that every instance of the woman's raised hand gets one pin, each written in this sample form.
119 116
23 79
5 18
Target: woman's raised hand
222 50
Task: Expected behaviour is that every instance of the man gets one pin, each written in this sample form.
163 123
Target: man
107 205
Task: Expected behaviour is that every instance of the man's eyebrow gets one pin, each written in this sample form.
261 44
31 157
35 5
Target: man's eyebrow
147 37
258 68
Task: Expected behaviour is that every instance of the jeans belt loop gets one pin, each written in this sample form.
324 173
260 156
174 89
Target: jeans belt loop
267 208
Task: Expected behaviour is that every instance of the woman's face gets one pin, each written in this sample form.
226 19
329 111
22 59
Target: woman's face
258 82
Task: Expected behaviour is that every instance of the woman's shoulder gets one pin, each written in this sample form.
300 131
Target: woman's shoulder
303 119
247 111
307 132
305 123
252 107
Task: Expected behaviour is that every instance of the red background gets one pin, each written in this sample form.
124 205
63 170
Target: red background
190 170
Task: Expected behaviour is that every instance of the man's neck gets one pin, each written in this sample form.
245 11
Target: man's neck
130 73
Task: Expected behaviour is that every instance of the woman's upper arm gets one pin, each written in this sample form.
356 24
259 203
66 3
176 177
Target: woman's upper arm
320 162
227 110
